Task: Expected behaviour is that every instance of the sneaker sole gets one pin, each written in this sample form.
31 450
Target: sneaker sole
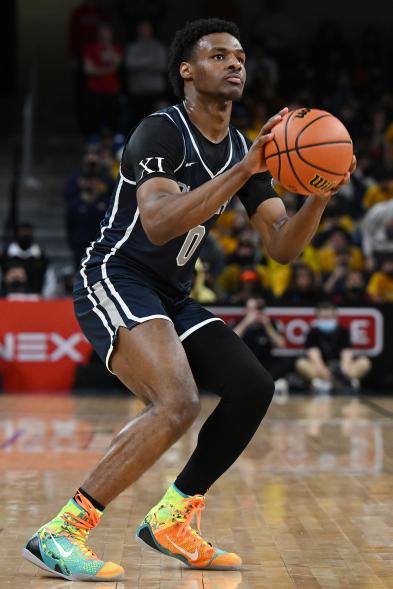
158 548
37 562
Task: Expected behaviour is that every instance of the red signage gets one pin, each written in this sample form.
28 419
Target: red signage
365 326
41 342
40 345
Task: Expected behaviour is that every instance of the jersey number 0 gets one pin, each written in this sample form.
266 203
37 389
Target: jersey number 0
191 242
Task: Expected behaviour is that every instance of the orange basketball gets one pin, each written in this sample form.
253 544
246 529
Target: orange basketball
310 153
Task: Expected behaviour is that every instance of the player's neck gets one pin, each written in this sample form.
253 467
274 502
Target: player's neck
211 118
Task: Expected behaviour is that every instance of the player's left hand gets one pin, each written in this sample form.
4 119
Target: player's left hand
345 180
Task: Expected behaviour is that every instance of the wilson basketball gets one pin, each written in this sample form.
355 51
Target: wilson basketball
310 153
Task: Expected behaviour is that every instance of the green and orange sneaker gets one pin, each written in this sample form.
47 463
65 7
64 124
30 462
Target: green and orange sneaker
60 546
166 528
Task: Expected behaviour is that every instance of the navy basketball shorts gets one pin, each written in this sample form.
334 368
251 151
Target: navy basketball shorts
103 307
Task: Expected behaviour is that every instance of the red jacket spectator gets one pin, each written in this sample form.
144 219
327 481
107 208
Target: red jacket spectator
101 62
84 23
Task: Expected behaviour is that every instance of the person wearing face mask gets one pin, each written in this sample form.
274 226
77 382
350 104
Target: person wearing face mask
329 360
26 253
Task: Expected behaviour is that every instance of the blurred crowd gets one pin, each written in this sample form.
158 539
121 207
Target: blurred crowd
120 76
119 62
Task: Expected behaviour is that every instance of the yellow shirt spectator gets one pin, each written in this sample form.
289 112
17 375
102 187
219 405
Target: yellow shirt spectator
327 259
380 288
229 279
378 193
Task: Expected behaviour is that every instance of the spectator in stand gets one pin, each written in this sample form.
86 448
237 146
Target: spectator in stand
261 335
132 13
14 285
65 282
24 256
243 276
350 204
380 286
213 258
101 61
354 290
378 192
146 64
377 231
230 227
329 360
200 292
87 193
334 217
250 285
109 149
338 243
84 23
304 287
334 284
83 27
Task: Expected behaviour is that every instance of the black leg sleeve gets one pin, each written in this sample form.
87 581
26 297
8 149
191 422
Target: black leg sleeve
224 365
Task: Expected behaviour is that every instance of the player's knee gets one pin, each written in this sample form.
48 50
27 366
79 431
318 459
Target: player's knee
181 411
261 390
253 387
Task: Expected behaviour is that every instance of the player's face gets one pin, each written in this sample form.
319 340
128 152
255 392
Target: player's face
217 66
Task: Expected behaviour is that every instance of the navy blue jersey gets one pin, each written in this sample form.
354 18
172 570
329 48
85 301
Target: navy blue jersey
164 144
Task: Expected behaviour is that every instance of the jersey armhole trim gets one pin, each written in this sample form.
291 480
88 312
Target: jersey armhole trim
126 179
165 114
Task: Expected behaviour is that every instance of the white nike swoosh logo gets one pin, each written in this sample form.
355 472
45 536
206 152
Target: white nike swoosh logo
191 164
191 555
63 552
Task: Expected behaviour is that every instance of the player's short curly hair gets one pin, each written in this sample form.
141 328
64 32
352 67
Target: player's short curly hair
185 41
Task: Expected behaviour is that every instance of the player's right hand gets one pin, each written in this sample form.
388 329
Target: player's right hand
254 161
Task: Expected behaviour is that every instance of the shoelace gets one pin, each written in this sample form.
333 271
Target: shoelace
193 506
82 526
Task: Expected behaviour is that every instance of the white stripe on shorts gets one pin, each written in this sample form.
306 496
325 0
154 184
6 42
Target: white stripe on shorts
183 336
108 305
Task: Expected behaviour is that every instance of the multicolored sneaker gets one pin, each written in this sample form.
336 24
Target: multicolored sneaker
167 528
60 546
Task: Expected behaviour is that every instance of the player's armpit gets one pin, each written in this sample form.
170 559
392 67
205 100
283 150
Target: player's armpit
153 198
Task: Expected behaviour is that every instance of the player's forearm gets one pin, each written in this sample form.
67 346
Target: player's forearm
171 215
292 237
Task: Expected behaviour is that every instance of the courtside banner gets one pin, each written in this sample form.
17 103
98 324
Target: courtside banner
40 345
365 326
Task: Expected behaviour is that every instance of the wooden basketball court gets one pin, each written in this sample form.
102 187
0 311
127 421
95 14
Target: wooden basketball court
309 504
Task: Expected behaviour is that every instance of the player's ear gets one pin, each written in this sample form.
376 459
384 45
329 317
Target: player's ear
186 70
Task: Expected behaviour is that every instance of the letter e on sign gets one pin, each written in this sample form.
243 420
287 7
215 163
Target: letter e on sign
359 330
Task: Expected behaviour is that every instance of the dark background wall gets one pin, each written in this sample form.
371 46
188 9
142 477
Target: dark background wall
41 27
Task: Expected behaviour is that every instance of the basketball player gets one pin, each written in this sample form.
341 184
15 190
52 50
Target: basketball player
180 168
